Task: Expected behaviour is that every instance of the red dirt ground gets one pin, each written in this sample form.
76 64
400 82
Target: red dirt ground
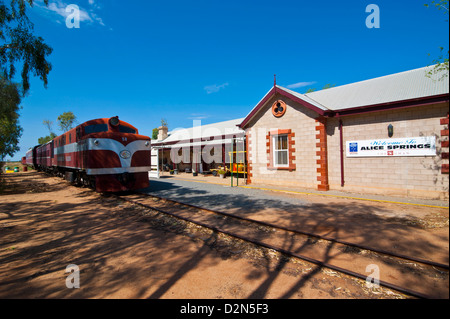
124 251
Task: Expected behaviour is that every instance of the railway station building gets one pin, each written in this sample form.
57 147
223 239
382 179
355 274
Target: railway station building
387 135
199 148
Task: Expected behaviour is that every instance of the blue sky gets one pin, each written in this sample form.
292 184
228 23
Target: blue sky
214 60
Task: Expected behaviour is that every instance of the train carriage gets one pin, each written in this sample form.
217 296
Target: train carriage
107 154
30 157
44 154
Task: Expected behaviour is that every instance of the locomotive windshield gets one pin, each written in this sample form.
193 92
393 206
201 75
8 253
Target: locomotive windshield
97 128
126 129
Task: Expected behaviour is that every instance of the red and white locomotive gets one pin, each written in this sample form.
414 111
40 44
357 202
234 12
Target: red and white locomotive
108 155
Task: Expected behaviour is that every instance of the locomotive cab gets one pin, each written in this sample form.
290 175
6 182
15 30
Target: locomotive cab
116 156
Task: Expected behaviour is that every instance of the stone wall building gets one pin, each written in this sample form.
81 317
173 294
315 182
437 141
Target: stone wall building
387 135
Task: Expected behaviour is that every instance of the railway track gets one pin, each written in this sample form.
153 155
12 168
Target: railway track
411 276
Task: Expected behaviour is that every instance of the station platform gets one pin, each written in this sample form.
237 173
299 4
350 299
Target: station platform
241 182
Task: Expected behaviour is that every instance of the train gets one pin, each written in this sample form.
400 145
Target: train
107 154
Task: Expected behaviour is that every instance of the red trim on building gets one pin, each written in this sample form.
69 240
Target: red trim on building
248 149
441 98
282 92
445 144
302 102
347 111
322 170
257 107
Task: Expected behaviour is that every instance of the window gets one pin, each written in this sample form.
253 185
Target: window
126 129
280 151
96 128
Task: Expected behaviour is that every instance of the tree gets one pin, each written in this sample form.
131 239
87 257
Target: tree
10 130
46 139
48 124
442 62
66 121
155 133
326 86
20 45
440 5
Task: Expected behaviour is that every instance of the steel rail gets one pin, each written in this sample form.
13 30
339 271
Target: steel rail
338 241
284 251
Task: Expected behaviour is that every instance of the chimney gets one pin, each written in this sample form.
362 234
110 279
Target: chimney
162 133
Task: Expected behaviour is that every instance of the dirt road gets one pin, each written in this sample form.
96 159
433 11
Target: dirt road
125 251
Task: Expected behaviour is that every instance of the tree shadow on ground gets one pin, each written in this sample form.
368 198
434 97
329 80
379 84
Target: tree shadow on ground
356 221
118 249
112 243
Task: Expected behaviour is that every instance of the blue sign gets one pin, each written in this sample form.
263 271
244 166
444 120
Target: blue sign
353 147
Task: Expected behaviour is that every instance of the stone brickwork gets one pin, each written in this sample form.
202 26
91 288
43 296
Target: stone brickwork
406 176
315 150
301 123
322 153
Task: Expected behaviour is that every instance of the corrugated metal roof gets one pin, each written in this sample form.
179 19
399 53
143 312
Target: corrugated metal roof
205 131
395 87
401 86
197 143
304 97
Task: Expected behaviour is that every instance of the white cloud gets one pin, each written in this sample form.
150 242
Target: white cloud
214 88
198 116
58 7
94 4
300 84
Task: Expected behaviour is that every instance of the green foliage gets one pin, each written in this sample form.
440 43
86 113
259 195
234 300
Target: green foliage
66 121
440 65
20 46
48 138
326 86
440 5
48 124
442 62
155 134
10 130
